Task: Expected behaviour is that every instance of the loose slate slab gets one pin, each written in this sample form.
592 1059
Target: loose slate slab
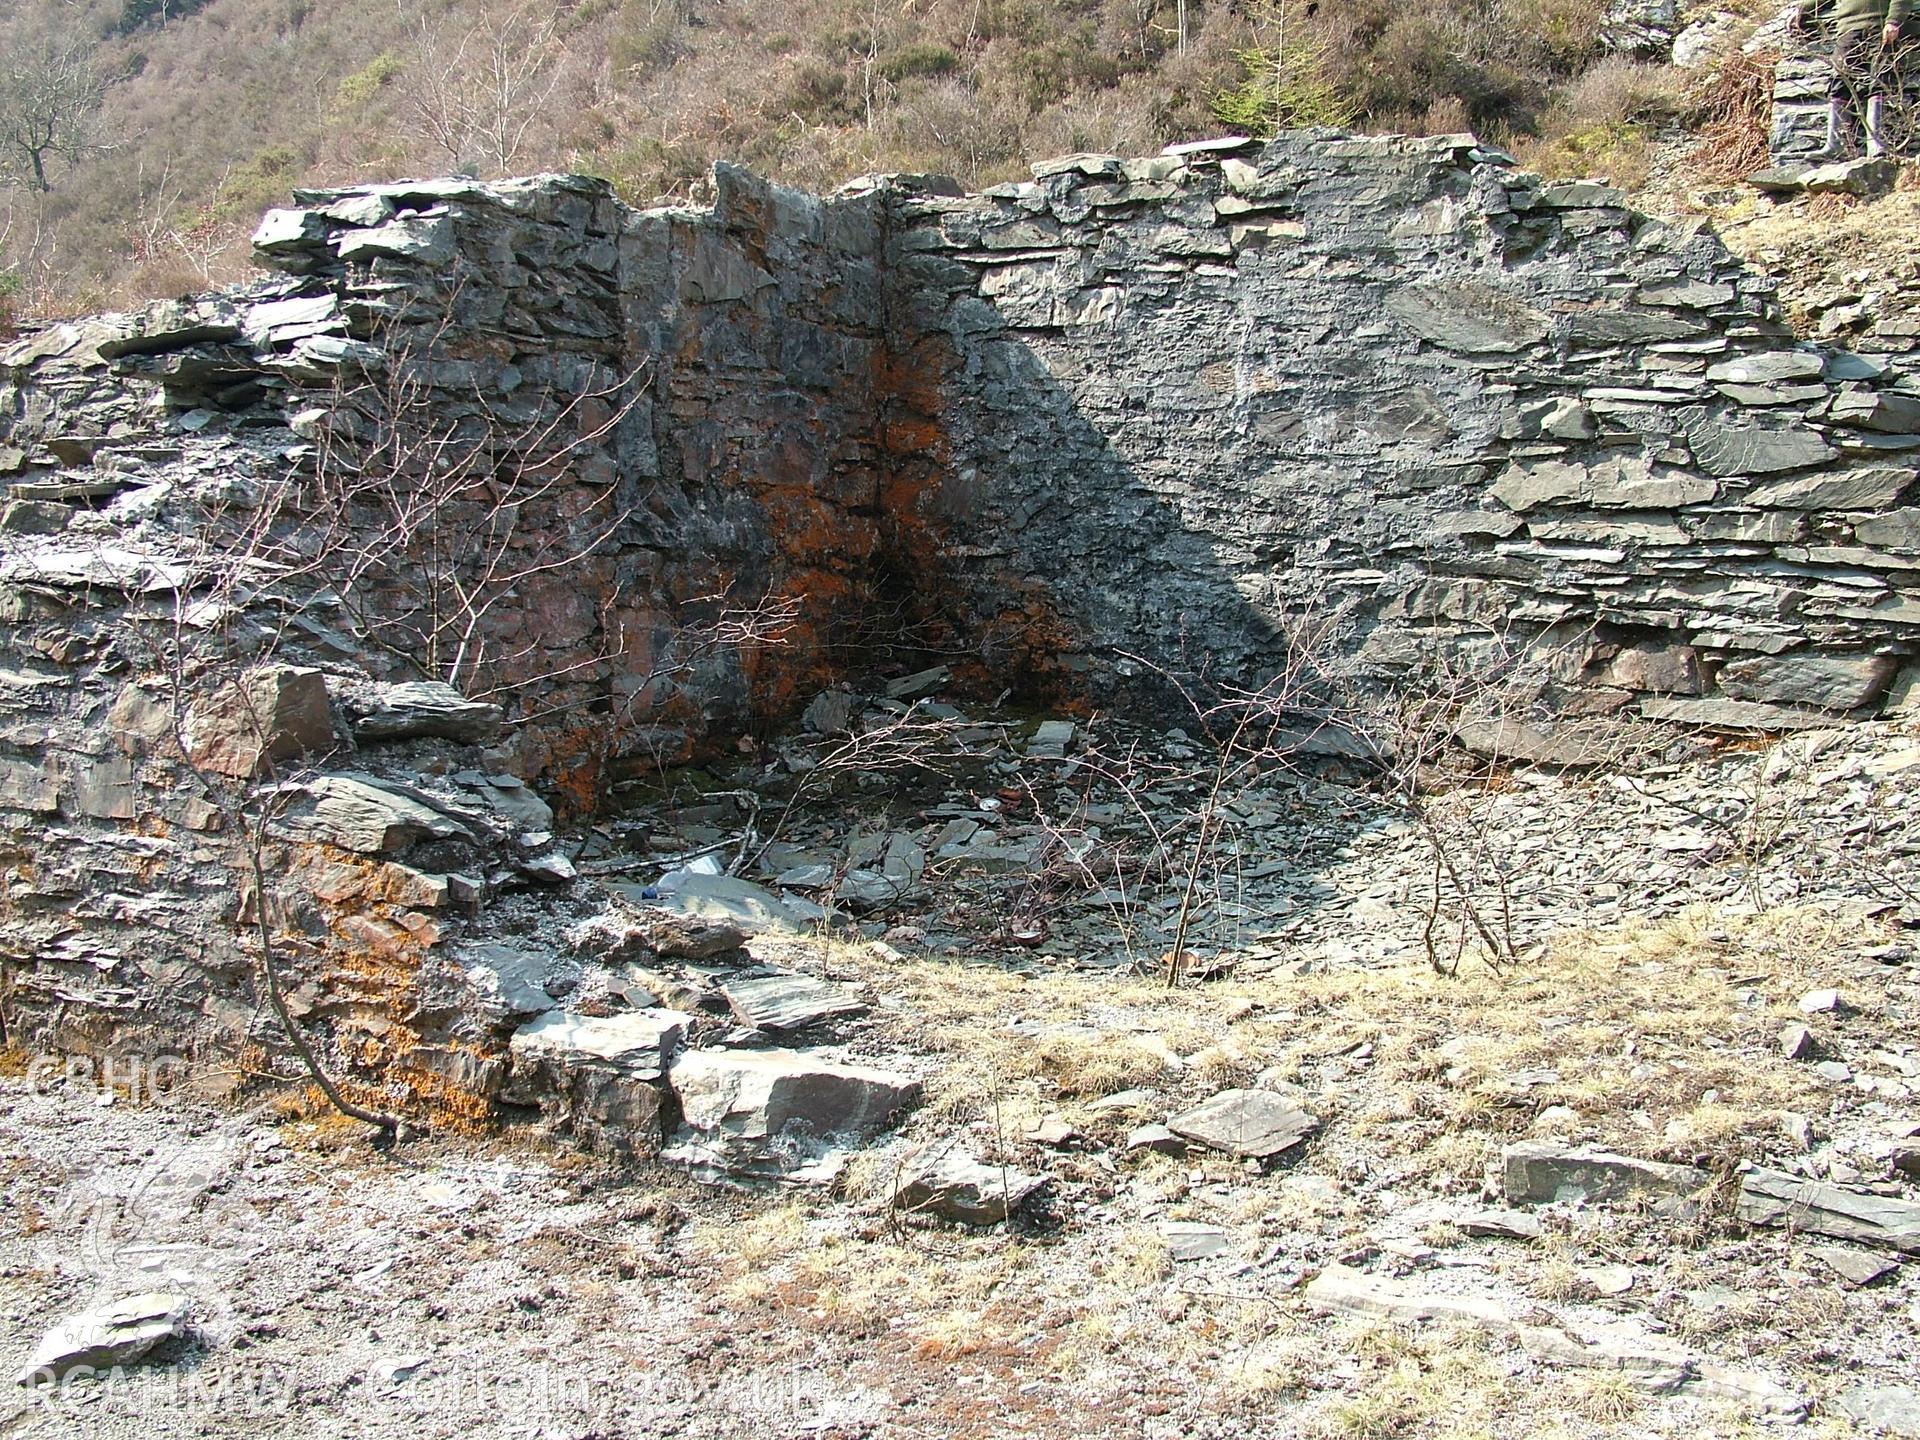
425 708
639 1042
779 1113
1768 1197
1501 1224
1540 1171
109 1335
1886 1409
1855 1267
1190 1240
789 1001
371 817
1253 1124
955 1186
597 1076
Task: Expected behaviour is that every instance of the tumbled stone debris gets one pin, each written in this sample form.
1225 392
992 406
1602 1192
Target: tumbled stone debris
787 1002
108 1335
1540 1172
1768 1197
727 899
1253 1124
955 1186
780 1113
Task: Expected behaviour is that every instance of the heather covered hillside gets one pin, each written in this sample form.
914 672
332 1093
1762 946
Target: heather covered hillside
163 127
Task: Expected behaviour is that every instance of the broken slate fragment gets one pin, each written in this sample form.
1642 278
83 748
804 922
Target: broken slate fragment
1051 740
1189 1240
106 1336
921 682
420 709
1796 1042
779 1113
1501 1224
271 714
1253 1124
788 1001
674 936
1768 1197
1542 1171
1056 1132
1884 1409
1157 1138
369 816
1820 1002
638 1043
1856 1267
955 1186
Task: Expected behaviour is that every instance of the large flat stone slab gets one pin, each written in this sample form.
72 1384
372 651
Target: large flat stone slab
1543 1171
1253 1124
1768 1197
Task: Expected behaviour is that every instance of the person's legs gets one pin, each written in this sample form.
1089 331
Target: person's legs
1853 57
1889 107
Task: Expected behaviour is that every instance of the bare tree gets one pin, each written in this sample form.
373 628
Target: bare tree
50 96
477 92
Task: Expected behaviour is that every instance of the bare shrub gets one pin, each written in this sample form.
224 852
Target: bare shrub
1732 110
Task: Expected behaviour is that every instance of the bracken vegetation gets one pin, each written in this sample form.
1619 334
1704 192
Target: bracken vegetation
182 119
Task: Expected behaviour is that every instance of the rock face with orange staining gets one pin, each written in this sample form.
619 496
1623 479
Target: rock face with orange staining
497 496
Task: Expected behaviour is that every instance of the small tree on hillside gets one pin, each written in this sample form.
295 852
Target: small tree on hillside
50 95
478 91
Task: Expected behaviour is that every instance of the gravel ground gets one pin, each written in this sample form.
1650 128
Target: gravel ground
499 1285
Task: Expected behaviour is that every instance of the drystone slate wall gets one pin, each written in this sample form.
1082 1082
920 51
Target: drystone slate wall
723 364
1205 402
721 361
1181 407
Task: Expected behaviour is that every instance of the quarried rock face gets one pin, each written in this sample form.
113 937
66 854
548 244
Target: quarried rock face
1392 393
495 495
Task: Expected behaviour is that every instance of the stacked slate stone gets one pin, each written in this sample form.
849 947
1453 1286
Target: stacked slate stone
1216 397
1178 407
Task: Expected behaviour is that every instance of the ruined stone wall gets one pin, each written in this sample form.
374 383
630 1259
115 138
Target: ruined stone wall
1206 400
722 362
1182 408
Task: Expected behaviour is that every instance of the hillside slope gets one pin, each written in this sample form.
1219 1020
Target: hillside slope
214 109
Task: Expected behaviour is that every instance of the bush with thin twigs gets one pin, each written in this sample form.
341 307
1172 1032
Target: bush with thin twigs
1732 110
